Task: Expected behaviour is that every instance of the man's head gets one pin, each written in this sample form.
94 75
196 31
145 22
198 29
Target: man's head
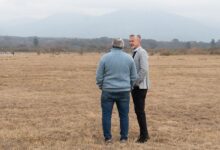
135 41
118 43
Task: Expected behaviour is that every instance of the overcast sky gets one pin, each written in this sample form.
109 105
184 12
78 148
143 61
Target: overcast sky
202 10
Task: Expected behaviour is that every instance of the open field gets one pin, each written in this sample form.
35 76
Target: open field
52 102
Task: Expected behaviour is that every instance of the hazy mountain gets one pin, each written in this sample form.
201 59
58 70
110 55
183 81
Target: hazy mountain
151 25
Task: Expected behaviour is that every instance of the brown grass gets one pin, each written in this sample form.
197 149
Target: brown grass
52 102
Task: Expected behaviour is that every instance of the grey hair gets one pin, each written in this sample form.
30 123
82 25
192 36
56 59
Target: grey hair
136 36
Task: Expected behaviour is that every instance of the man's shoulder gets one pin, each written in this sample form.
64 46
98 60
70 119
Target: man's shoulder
106 54
104 57
128 56
142 51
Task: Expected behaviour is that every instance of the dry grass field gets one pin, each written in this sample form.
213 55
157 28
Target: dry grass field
52 102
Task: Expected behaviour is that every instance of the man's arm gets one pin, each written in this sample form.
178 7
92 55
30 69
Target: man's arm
100 73
143 67
133 73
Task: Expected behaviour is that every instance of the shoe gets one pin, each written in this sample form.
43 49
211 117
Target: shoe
108 141
142 139
123 140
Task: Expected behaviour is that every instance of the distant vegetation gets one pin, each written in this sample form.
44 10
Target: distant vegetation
56 45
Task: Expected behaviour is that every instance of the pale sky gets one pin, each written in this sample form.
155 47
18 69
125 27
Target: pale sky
206 11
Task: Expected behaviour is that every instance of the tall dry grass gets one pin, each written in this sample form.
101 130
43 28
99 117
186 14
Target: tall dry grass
52 102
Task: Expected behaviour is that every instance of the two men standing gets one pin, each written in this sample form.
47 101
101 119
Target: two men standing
117 75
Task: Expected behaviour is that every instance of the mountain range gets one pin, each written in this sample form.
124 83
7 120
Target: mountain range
151 25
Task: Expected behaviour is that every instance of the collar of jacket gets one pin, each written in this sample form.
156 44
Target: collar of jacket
136 49
116 49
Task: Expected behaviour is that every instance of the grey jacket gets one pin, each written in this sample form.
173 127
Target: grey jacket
142 66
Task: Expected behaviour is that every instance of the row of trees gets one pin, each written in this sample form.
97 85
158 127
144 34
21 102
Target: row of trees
29 44
176 44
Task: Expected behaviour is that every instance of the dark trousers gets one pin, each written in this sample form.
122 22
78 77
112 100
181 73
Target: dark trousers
139 96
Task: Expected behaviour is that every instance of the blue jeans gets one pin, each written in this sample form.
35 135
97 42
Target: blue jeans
122 101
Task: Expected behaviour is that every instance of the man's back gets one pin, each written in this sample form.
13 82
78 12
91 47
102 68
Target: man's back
116 71
115 76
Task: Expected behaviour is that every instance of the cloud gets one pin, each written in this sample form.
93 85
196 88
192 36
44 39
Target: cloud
36 9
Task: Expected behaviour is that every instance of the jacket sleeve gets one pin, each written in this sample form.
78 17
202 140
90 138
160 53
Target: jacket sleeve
143 64
100 73
133 73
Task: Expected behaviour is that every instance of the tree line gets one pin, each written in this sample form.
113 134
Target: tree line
102 44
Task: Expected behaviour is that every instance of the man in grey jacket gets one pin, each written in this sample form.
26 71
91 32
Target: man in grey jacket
115 76
141 85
